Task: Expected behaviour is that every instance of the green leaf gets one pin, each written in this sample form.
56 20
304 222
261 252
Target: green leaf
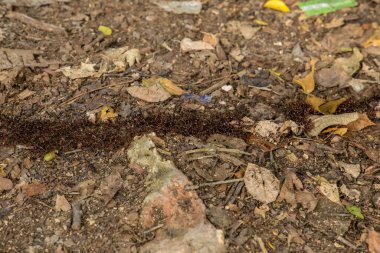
356 211
316 7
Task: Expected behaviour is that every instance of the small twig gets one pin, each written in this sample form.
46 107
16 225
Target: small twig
99 38
72 151
344 241
35 23
71 100
261 244
43 203
194 187
153 229
235 193
77 215
200 158
216 86
225 150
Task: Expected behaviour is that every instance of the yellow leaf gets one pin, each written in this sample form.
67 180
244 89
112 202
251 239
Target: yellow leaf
50 155
315 102
105 30
260 22
147 82
373 41
331 106
336 130
210 39
277 5
107 113
170 87
307 83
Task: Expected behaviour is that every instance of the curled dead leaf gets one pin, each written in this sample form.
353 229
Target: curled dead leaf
154 93
321 122
362 122
307 83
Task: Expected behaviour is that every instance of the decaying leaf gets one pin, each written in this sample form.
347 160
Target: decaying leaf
34 189
170 87
294 236
110 186
261 183
248 31
307 200
352 169
13 58
287 192
154 93
5 184
85 70
307 83
374 40
330 190
362 122
373 241
321 122
61 204
188 45
122 56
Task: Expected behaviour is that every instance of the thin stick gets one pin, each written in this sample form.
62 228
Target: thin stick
215 86
262 245
35 23
194 187
225 150
344 241
153 229
71 100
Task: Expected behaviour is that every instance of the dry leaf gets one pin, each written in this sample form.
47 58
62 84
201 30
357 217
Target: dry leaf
294 236
373 242
154 93
261 183
315 102
330 190
307 200
373 41
188 45
85 70
110 186
61 204
335 22
5 184
170 87
210 39
307 83
35 188
287 192
261 210
266 128
362 122
13 58
352 169
248 31
331 106
321 122
349 65
25 94
336 130
237 54
121 56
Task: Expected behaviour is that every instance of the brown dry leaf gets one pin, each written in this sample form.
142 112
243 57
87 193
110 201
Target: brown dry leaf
237 54
330 190
210 39
261 183
34 189
373 41
331 106
307 200
248 31
373 242
335 22
152 94
7 77
25 94
110 186
287 192
85 188
170 87
5 184
362 122
61 204
13 58
349 65
188 45
85 70
352 169
307 83
294 236
121 57
321 122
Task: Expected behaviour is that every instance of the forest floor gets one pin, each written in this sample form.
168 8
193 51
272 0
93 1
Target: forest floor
235 129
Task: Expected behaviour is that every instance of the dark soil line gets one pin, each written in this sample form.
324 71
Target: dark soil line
45 135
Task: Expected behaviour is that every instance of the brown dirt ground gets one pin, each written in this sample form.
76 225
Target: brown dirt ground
43 121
